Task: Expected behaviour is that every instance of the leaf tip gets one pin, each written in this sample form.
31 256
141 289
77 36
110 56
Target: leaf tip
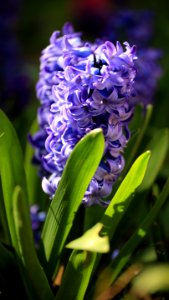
91 241
148 153
96 131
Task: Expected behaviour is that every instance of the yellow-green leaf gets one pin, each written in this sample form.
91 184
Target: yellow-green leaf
91 241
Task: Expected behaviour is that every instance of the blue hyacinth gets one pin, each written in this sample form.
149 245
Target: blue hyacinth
83 86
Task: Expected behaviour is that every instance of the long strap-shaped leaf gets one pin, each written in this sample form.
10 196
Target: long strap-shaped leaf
12 175
36 282
76 275
112 271
120 201
110 221
11 170
76 177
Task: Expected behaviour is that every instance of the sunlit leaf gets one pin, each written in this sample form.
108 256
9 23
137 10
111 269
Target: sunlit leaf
109 221
91 241
76 177
121 199
126 252
76 275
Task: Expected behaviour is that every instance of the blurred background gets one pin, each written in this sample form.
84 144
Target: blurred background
25 30
26 27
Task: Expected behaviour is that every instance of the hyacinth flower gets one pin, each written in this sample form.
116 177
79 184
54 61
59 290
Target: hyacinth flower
137 27
49 68
83 86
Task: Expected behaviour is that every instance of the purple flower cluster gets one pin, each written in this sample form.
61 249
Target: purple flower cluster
137 27
83 86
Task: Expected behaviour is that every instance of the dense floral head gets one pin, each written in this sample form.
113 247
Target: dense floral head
83 86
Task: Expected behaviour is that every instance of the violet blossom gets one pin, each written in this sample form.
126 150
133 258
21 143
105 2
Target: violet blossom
83 86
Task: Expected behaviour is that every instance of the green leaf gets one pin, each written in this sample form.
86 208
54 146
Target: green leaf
4 229
33 275
11 171
121 200
76 275
158 147
31 171
115 267
91 241
109 221
12 175
93 214
151 280
76 177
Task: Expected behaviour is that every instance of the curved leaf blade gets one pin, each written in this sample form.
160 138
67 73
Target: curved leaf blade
109 221
121 200
77 272
32 273
11 170
76 177
116 266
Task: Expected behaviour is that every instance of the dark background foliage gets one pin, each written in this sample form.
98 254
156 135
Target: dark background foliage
34 21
